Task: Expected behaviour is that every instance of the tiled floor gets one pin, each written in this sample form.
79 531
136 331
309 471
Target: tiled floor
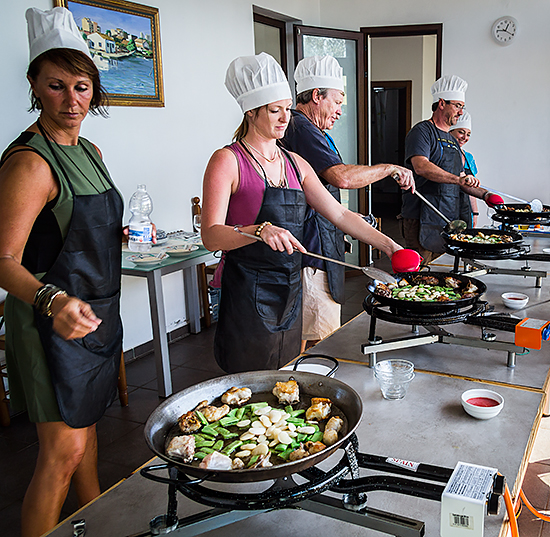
122 447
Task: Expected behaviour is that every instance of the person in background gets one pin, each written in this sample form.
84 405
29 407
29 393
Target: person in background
60 248
256 187
462 132
436 160
320 95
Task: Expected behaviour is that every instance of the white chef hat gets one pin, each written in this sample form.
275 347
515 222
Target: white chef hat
255 81
464 122
449 87
55 28
318 72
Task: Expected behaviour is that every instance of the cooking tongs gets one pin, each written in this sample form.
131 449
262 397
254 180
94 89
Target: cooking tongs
371 272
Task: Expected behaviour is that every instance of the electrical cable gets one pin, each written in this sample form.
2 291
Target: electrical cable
546 518
511 513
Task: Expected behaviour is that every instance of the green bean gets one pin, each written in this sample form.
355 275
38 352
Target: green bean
201 417
227 450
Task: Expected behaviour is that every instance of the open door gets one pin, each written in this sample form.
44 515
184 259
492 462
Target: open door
349 131
402 62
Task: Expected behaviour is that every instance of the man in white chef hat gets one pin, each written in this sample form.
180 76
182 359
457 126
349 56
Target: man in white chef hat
435 157
320 95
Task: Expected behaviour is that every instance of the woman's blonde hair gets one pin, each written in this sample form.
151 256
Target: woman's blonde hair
242 129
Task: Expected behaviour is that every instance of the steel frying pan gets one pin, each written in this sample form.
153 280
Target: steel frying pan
517 240
165 416
431 307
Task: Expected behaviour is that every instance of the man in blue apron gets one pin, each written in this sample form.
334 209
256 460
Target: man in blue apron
320 95
434 156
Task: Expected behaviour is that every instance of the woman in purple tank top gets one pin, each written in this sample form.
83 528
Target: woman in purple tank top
255 187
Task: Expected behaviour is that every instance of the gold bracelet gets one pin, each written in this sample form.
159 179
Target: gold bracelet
260 228
44 297
48 309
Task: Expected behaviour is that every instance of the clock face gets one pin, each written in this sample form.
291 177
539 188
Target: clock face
505 30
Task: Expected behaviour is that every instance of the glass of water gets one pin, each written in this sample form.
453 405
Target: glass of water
197 222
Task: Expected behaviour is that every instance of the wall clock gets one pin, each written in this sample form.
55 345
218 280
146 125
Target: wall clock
505 30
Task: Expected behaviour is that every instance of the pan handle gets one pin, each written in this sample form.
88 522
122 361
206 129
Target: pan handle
147 472
329 358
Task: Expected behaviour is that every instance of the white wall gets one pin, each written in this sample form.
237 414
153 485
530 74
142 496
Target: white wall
165 148
508 86
400 58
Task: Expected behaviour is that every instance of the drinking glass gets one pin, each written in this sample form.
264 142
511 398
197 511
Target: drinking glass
197 222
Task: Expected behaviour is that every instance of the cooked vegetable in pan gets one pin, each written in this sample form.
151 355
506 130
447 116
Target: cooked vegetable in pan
428 290
482 238
256 434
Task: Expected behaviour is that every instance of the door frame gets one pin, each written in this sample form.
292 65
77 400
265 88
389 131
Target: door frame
359 38
406 30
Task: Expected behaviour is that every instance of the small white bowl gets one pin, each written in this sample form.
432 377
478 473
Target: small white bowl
514 301
482 412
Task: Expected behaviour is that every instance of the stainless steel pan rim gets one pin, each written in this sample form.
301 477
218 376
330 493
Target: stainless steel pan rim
431 307
518 215
167 413
517 240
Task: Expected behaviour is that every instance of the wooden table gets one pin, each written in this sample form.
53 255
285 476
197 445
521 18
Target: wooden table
188 266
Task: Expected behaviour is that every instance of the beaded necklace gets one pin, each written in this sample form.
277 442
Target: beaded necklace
283 182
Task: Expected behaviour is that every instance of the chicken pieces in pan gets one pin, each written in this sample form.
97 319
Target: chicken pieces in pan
333 426
189 423
182 447
319 409
236 396
287 392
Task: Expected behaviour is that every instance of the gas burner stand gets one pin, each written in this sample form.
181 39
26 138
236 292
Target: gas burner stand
472 267
285 493
474 315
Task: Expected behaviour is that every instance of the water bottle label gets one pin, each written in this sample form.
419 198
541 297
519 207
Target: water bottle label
140 233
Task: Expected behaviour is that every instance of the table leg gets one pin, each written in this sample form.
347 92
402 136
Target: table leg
192 300
160 339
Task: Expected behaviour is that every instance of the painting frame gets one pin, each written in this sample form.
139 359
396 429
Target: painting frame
120 98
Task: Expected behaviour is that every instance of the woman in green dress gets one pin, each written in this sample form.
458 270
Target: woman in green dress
60 241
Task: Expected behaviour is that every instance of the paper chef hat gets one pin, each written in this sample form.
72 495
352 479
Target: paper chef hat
464 122
318 72
449 88
55 28
255 81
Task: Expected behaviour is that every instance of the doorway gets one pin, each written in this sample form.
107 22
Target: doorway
390 122
397 55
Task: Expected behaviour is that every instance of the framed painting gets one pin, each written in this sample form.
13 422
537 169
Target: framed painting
124 41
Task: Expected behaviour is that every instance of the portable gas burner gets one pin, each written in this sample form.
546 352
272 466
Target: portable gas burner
475 314
472 267
452 487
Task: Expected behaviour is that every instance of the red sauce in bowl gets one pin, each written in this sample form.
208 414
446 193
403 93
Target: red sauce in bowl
482 401
515 298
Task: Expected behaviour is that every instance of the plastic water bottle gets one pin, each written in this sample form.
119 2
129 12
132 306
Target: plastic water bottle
140 236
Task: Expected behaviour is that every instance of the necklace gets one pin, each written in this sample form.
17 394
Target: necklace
283 180
68 156
261 154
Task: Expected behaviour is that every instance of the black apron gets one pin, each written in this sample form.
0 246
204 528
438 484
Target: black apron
331 245
260 321
448 198
322 237
84 371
